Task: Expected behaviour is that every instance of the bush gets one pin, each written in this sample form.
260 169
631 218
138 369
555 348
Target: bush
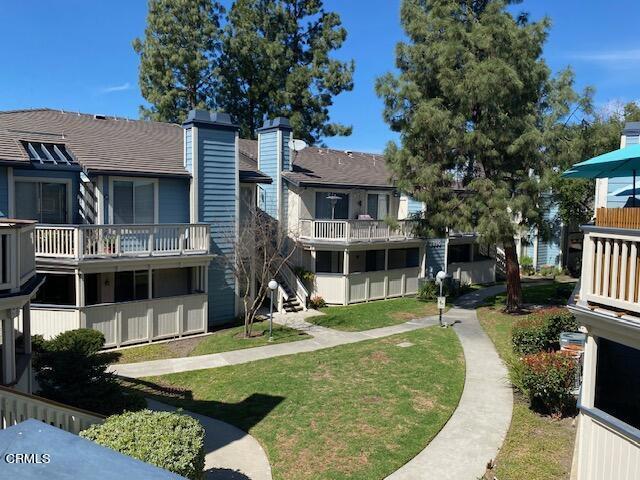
548 379
71 369
541 330
550 271
526 265
317 302
168 440
428 291
307 277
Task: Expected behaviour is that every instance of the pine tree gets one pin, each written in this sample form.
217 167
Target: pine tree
469 102
276 61
178 57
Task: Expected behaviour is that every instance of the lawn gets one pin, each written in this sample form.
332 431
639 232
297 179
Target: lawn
537 447
555 293
357 411
380 313
223 340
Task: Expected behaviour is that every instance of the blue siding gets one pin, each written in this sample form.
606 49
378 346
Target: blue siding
173 199
188 160
549 249
217 199
436 251
4 192
269 166
75 185
616 201
414 206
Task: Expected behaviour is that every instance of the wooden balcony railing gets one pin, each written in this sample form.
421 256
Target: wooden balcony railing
618 217
16 407
82 242
17 258
611 268
355 230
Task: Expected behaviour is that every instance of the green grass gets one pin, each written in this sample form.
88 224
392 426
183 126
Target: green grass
220 341
555 293
357 411
380 313
537 447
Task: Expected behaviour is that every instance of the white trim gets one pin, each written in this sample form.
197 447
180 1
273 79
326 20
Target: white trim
99 200
237 212
279 159
66 181
156 186
11 192
195 165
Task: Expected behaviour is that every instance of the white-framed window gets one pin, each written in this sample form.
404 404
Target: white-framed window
133 200
46 200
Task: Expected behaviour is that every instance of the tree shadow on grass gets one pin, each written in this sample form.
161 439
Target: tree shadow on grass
244 415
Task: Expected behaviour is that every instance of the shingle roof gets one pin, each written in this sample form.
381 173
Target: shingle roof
324 166
100 144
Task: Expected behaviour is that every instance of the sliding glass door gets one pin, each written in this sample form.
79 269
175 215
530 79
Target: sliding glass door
45 202
133 201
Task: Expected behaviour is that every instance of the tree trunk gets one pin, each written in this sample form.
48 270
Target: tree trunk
514 289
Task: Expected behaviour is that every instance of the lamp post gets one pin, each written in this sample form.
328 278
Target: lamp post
440 276
272 288
333 198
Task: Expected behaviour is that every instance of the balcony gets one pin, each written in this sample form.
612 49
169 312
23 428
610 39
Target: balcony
17 262
91 242
355 231
611 261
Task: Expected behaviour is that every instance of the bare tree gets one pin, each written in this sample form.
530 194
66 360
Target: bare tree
262 248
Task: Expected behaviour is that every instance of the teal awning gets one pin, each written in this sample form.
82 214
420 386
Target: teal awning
623 162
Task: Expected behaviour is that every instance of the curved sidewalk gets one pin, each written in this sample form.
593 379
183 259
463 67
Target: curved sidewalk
230 453
476 430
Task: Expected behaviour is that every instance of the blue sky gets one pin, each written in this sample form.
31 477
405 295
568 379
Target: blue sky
77 55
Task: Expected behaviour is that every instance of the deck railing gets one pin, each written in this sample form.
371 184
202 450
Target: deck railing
16 407
356 230
81 242
17 260
611 267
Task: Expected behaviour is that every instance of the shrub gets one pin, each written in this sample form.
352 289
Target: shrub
168 440
541 330
550 271
428 291
317 302
526 265
307 277
548 379
71 369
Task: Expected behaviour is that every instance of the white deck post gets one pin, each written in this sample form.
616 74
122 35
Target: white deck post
8 349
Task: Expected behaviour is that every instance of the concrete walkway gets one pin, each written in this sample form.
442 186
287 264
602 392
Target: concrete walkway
230 453
476 430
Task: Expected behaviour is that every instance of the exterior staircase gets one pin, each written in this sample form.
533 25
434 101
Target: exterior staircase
292 303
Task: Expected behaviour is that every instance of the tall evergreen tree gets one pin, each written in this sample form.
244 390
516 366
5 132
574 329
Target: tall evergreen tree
178 57
469 102
276 61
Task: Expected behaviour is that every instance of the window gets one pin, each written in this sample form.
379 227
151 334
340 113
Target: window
633 139
45 202
131 285
58 289
404 258
324 210
377 206
375 260
133 201
618 381
459 253
329 262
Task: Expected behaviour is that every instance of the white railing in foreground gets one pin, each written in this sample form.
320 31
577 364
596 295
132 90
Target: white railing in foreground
17 260
611 267
107 241
16 407
356 230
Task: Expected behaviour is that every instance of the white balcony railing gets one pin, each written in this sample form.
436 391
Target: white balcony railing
16 407
611 267
82 242
17 260
356 230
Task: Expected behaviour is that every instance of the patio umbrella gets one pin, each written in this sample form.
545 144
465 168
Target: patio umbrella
624 162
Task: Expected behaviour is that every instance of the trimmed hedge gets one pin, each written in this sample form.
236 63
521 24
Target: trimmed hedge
167 440
548 379
541 330
70 368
